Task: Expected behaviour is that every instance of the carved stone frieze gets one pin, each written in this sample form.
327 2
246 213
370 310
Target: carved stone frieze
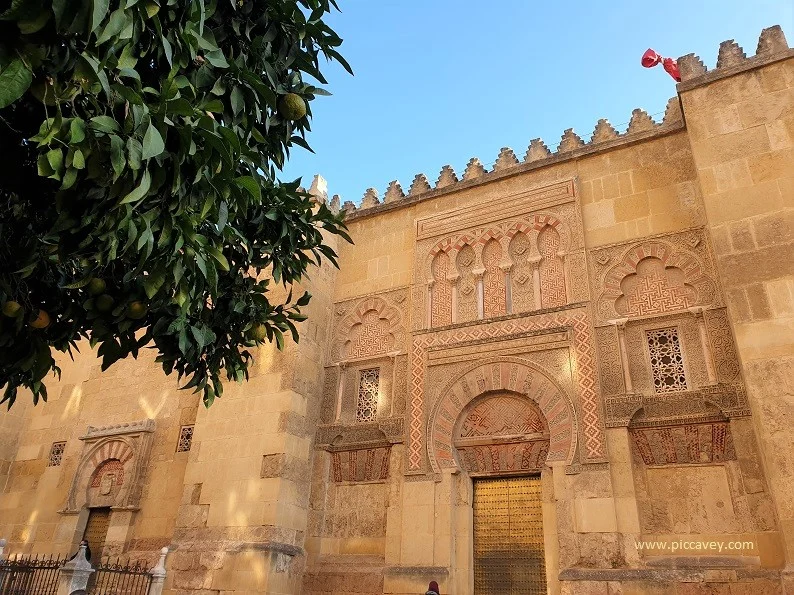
366 464
695 443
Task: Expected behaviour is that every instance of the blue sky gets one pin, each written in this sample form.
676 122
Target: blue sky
440 81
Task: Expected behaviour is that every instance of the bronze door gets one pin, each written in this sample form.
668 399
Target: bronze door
96 530
508 537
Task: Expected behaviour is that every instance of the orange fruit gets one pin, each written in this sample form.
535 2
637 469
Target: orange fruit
104 302
257 332
96 286
11 308
42 320
136 310
292 106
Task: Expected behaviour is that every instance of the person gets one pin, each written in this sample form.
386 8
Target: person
87 551
432 589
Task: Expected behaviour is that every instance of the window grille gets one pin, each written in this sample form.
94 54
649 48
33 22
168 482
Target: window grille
56 454
185 439
368 384
667 362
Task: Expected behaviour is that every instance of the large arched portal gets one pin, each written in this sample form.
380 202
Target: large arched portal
501 440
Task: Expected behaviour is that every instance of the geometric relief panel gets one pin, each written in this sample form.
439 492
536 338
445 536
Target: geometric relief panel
367 464
493 280
467 285
610 364
726 362
684 444
654 289
369 327
502 415
441 292
552 271
659 275
371 336
504 458
522 291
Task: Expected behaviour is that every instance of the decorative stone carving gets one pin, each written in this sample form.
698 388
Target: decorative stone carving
610 366
493 281
531 251
723 348
441 291
373 326
112 466
661 274
467 285
684 444
514 379
369 464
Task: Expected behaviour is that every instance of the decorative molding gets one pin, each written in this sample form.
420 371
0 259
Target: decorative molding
92 432
576 320
498 209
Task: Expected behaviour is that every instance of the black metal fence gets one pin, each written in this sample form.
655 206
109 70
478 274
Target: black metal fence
119 578
26 575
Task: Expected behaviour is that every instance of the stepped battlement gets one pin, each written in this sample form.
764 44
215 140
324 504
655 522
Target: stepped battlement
731 59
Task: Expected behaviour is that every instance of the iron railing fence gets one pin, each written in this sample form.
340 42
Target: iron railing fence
119 578
30 575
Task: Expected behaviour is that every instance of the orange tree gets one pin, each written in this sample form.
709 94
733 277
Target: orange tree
140 142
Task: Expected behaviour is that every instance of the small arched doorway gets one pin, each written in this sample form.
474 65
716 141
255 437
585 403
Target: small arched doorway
501 440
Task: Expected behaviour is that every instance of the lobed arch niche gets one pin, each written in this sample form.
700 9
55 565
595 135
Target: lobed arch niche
111 468
508 410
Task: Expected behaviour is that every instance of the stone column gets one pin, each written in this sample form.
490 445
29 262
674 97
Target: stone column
158 574
506 268
534 262
74 575
705 344
478 273
620 325
453 279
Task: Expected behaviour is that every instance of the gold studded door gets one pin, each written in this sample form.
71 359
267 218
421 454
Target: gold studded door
96 530
508 537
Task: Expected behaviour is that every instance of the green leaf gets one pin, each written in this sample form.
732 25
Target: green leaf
37 24
219 257
104 124
250 185
118 20
140 190
117 154
76 130
217 59
100 10
153 144
15 79
237 100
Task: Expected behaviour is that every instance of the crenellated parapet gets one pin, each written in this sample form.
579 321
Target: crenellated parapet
731 58
772 46
538 154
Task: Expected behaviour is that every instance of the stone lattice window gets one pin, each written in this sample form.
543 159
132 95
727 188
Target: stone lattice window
185 439
56 454
667 362
368 385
